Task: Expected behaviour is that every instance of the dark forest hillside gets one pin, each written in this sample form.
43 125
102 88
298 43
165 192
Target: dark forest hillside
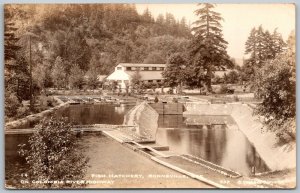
97 36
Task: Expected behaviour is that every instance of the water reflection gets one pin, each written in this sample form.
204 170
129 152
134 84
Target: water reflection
217 143
221 145
14 164
78 114
84 114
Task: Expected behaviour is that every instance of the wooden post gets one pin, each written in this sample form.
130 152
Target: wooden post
30 71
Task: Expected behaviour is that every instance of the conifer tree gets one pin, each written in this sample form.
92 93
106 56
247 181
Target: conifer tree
208 47
10 48
278 43
261 46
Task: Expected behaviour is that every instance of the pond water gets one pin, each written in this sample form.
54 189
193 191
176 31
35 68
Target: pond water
86 114
14 164
81 114
216 143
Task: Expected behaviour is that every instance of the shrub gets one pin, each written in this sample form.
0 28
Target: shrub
23 111
175 100
50 103
11 104
275 84
52 154
170 91
224 89
232 77
156 99
236 98
46 102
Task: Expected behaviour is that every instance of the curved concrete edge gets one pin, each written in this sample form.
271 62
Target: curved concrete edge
113 137
215 165
33 117
146 119
276 157
190 174
58 100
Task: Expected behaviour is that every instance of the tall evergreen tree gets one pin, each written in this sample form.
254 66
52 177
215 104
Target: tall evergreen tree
16 67
10 48
160 19
261 46
268 46
250 45
208 47
277 43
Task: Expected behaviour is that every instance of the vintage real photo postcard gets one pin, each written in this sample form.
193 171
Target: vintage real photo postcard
150 96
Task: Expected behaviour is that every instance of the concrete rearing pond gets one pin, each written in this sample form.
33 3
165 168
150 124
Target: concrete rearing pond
224 134
241 117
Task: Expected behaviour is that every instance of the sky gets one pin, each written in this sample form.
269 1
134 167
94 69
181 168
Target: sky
239 19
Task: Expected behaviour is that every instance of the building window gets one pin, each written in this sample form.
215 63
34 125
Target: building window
146 68
158 80
119 68
150 80
153 68
128 68
119 81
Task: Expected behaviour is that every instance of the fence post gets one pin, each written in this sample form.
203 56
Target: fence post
163 103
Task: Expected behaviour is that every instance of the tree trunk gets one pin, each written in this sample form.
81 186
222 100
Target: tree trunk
200 85
208 79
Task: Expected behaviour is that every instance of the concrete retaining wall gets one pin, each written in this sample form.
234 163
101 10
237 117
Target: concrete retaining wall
145 118
31 120
168 108
275 156
209 109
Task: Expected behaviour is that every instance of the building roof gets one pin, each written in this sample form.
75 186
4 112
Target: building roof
118 75
127 75
141 65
